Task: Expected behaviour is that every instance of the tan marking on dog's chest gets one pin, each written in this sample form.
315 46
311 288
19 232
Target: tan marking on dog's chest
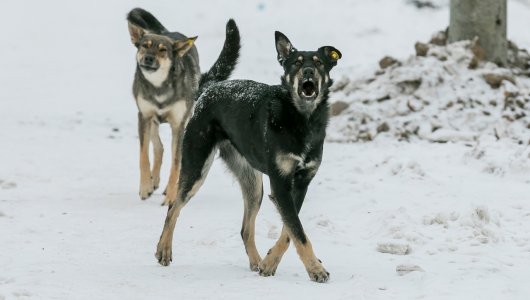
158 77
288 162
164 97
177 112
173 113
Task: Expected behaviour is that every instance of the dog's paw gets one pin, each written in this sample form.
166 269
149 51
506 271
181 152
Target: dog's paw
146 189
254 260
164 254
254 267
146 194
171 196
168 201
318 273
267 267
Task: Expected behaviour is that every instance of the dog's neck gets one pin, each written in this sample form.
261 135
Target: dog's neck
305 108
160 78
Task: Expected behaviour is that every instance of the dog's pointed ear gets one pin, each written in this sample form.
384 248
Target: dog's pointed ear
184 45
283 46
136 33
331 53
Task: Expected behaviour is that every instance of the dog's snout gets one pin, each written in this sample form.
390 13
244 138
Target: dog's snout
149 59
309 72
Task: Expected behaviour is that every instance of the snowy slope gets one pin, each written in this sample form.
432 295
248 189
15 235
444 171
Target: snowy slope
72 225
437 97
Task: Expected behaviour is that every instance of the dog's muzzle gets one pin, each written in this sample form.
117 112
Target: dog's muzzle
149 63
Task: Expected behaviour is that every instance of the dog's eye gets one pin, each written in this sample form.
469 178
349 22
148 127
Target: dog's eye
318 63
298 63
147 44
162 49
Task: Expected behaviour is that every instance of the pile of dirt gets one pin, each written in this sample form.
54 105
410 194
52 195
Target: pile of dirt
445 92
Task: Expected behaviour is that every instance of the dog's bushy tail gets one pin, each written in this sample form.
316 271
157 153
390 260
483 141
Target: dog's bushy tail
227 60
144 19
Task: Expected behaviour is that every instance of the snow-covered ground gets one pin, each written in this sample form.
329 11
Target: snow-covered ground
72 225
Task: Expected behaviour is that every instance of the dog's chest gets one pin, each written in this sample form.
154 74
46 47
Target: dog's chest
288 163
173 112
160 76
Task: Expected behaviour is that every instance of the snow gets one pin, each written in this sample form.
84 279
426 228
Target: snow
72 225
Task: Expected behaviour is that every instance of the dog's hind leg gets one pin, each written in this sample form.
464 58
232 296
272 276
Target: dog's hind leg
197 156
158 151
251 183
144 133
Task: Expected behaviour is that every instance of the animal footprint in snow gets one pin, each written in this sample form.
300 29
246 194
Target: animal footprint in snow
405 269
392 248
273 232
323 223
6 185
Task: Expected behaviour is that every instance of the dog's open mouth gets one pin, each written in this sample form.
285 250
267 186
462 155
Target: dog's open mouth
309 90
149 68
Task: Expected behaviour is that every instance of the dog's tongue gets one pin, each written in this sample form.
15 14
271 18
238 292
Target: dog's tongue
309 88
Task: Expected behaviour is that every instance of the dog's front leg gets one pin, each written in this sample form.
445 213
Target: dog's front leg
284 188
144 133
176 153
158 153
270 263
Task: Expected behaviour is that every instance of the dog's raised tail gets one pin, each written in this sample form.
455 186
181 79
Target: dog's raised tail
144 19
227 60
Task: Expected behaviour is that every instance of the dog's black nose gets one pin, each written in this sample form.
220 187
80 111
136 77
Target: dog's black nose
149 59
309 72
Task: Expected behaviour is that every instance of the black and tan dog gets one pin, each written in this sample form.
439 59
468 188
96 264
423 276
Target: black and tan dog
260 129
165 86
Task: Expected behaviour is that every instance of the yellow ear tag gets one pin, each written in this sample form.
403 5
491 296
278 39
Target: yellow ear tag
334 55
190 42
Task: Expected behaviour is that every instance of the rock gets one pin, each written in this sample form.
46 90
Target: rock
6 185
364 136
421 49
387 61
383 127
473 64
383 98
391 248
478 54
405 269
338 107
423 4
409 86
439 38
477 50
495 80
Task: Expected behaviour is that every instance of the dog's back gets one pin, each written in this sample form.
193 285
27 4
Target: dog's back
231 105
